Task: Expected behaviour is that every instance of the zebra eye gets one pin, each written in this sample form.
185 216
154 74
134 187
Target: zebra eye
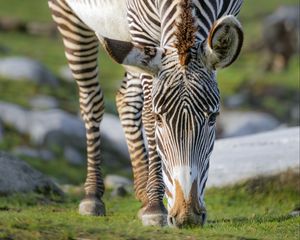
213 118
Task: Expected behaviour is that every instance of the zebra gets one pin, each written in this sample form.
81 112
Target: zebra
170 50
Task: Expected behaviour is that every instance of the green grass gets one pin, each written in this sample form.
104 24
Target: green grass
255 209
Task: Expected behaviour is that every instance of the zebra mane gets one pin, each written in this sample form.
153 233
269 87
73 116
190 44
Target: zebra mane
185 33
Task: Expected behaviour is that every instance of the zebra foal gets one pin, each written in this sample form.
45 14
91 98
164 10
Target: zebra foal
170 51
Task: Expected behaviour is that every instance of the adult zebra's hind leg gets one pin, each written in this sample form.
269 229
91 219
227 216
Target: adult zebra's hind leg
130 104
81 49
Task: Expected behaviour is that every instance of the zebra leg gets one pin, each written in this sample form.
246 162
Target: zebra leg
81 49
130 103
155 212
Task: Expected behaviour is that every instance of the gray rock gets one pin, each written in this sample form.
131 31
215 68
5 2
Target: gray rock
45 127
27 69
56 127
119 191
43 103
14 116
1 132
42 154
234 123
17 176
240 158
73 156
295 213
281 31
115 181
4 50
66 74
295 114
235 101
112 132
46 155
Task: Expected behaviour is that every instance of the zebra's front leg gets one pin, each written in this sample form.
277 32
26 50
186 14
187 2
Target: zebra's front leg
81 49
91 104
155 212
130 104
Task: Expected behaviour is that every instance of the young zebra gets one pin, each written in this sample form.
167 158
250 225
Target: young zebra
170 50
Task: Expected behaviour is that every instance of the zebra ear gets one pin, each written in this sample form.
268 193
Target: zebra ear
148 59
224 42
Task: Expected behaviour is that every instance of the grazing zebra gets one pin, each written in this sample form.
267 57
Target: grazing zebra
170 50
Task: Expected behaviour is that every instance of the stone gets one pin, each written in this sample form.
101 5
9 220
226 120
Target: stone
27 69
235 123
73 156
295 114
59 128
66 74
43 103
17 176
1 132
295 213
235 101
240 158
119 191
4 50
42 154
115 181
15 116
112 131
280 35
44 127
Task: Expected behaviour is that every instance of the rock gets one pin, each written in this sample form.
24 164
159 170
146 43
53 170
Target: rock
281 36
234 123
73 156
43 103
115 181
241 158
56 127
4 50
295 114
112 132
17 176
295 213
66 74
1 132
27 69
235 101
34 153
15 116
119 191
52 127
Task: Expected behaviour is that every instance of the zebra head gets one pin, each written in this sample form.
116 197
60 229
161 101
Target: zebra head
185 103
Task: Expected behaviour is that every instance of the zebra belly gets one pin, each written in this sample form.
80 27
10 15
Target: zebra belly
108 18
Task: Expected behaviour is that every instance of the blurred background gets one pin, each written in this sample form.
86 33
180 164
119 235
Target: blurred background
39 118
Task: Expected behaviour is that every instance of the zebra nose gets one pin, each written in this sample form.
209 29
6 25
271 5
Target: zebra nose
190 220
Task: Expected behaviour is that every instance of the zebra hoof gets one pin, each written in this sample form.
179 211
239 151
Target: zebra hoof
141 212
154 215
92 207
